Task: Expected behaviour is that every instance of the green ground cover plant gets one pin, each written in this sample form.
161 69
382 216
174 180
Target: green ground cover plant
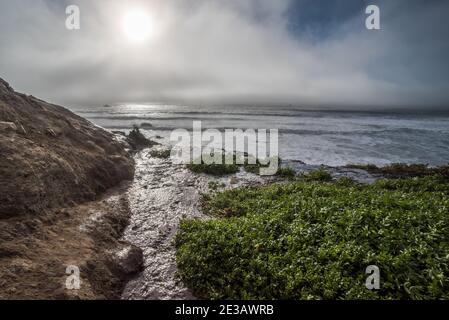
252 165
286 172
316 175
234 167
199 166
311 239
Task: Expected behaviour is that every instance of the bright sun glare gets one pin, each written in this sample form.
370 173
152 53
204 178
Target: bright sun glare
137 26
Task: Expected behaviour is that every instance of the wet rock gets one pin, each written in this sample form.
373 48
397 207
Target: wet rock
138 141
129 259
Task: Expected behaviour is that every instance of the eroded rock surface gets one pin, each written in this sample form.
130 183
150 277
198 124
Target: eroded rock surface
52 164
50 157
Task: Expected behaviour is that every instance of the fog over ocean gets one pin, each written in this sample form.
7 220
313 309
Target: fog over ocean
316 137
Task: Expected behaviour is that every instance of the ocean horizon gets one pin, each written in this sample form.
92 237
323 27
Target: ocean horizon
328 137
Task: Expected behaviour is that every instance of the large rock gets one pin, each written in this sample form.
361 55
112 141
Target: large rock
128 259
50 157
138 141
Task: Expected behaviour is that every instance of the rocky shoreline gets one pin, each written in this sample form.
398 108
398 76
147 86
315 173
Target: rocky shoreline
161 195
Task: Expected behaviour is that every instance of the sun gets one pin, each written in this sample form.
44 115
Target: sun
137 26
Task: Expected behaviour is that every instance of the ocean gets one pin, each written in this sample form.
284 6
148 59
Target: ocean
333 138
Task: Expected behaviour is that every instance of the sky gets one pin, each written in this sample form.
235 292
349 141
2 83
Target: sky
298 52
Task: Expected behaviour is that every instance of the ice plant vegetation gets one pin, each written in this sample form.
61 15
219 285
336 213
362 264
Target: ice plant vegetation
313 239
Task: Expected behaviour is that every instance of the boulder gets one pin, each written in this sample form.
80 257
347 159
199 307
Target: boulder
138 141
128 259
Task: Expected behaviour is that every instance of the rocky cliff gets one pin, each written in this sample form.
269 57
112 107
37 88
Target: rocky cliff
50 157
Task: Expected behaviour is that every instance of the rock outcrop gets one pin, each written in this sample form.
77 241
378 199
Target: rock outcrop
50 157
52 164
138 141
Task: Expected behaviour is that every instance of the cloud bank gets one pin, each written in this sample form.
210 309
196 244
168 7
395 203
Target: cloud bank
309 53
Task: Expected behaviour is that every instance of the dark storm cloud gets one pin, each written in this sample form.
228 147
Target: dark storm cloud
250 51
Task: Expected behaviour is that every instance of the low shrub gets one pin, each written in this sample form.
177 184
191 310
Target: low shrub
317 175
255 165
286 173
214 169
345 181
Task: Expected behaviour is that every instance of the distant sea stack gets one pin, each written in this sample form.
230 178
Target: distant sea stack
50 157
